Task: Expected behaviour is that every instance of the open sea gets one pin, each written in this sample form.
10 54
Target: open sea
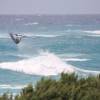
52 44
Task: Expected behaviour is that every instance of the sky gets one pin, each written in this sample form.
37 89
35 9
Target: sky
49 6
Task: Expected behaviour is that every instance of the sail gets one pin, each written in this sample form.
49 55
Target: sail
16 37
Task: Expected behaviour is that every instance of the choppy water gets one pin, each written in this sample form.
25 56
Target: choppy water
55 43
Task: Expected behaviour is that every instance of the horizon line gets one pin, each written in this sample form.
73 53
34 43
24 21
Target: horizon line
55 14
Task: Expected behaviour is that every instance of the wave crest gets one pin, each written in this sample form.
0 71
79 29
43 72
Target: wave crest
9 86
45 64
33 23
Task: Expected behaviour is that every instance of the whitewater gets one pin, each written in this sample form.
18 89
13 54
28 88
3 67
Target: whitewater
45 64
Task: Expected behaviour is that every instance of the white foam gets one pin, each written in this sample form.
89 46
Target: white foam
70 25
87 72
8 86
44 35
71 55
33 23
41 35
94 32
45 64
75 59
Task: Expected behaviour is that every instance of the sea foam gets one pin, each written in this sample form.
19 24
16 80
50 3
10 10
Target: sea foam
75 59
85 72
44 64
40 35
9 86
33 23
94 32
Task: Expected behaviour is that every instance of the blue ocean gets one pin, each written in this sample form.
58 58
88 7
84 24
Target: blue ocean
52 44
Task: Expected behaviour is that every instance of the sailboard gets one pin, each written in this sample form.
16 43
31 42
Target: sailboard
16 37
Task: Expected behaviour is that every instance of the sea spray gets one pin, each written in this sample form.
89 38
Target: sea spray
44 64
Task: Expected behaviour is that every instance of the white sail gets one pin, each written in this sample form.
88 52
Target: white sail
16 37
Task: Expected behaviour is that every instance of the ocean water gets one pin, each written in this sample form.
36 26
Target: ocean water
53 44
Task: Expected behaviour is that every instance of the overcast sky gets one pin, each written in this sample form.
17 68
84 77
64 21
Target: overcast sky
49 6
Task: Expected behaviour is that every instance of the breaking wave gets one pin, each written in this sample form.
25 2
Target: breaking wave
45 64
9 86
44 35
75 59
84 72
29 24
95 31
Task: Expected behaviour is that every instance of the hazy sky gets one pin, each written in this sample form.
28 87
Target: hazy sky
49 6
